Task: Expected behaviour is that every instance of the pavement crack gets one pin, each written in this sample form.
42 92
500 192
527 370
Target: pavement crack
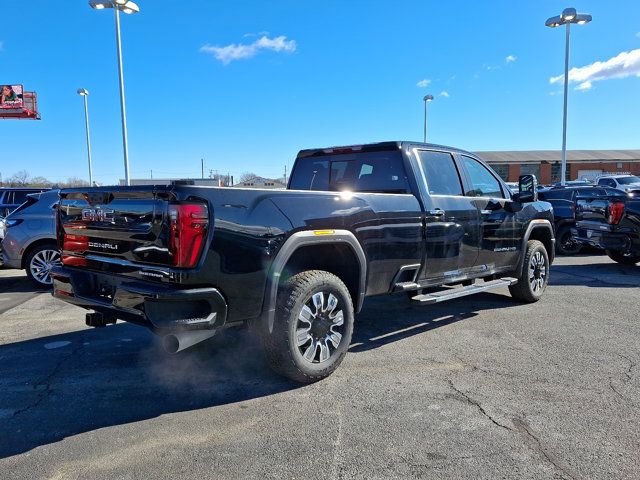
523 427
627 372
47 381
477 404
337 448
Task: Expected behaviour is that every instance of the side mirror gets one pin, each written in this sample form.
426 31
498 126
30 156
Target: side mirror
527 189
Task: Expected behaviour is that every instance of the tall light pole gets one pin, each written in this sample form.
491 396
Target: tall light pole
427 99
83 92
567 17
129 7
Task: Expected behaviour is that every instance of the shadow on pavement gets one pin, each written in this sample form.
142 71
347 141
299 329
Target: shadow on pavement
18 284
63 385
404 319
596 275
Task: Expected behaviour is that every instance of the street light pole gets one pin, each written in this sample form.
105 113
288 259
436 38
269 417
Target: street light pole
568 16
563 178
123 109
427 99
129 7
83 92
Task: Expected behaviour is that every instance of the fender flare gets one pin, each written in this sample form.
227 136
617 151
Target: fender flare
305 238
533 225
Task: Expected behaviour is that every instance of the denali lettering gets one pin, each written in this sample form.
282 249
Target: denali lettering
109 246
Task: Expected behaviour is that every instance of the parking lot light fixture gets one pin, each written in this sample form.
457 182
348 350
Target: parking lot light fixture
129 7
567 17
427 99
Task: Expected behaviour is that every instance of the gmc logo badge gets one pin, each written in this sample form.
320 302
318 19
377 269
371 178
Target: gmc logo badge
97 214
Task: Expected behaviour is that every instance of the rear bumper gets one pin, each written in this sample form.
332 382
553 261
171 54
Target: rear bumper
164 309
602 239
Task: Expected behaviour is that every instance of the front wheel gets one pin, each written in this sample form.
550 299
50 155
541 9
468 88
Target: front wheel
623 258
312 328
534 275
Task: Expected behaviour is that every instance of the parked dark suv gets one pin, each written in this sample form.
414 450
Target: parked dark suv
12 198
563 200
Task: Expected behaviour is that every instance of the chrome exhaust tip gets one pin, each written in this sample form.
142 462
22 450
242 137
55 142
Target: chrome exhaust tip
176 342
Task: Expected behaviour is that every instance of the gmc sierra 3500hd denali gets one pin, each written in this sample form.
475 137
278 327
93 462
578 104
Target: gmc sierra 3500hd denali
297 264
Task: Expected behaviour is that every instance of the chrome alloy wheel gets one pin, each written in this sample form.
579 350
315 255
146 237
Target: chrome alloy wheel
41 265
319 327
537 272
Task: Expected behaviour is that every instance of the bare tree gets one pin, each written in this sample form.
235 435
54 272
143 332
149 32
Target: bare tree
19 179
40 182
73 182
247 177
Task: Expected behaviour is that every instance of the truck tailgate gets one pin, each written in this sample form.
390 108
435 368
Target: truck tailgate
129 225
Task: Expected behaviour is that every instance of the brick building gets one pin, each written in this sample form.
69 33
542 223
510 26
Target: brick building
545 164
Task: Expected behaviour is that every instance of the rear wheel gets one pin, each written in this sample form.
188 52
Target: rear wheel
623 258
39 263
534 275
565 244
312 328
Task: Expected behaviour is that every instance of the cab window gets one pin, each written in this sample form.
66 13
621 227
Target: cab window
483 182
441 173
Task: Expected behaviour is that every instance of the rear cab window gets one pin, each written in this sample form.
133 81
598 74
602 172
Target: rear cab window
376 172
441 173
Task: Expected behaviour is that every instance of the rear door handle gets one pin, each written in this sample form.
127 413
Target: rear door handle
436 213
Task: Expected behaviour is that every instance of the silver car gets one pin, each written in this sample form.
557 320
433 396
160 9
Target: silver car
29 241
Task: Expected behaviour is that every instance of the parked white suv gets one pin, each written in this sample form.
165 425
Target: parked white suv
626 183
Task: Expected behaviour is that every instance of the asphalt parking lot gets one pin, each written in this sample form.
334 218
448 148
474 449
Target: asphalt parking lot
480 387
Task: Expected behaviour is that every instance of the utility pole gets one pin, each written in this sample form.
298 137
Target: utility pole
202 167
151 174
285 174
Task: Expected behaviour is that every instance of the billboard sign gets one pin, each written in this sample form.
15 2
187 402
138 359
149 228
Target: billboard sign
11 96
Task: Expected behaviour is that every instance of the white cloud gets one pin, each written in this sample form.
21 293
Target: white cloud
444 94
251 34
638 34
511 58
584 86
229 53
424 83
623 65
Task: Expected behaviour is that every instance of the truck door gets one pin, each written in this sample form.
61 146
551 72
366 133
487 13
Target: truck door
451 219
499 227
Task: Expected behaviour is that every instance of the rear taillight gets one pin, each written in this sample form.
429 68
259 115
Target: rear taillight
74 243
189 222
616 210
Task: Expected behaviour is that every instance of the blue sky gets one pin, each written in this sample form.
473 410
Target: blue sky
311 73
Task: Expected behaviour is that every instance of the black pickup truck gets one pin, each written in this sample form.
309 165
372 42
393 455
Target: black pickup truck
611 223
297 264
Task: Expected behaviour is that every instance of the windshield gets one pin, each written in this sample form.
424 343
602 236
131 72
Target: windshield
628 180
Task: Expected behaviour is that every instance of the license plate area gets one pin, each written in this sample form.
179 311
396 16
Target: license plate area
105 291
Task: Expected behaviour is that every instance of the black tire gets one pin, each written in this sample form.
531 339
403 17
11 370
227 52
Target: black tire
534 275
623 258
565 245
38 263
297 299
